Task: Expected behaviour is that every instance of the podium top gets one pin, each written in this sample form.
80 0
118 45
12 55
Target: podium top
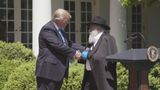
130 55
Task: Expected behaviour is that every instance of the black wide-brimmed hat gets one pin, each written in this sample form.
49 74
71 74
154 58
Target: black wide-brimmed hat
100 21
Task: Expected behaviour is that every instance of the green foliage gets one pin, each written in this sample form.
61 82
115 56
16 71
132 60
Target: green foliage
122 77
128 3
75 77
11 56
22 78
154 77
15 51
17 74
6 68
148 3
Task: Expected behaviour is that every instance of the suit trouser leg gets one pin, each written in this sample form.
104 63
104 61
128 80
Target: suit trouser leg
46 84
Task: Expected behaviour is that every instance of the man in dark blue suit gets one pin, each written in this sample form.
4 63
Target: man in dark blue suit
54 52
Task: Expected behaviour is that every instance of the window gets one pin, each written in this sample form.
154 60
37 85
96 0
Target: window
71 28
7 20
17 28
81 12
86 16
136 24
26 22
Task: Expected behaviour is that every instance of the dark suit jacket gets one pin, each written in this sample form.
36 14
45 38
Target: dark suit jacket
104 72
53 59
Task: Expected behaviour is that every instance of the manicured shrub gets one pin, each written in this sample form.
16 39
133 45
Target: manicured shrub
154 77
122 77
75 77
6 68
15 51
22 78
11 56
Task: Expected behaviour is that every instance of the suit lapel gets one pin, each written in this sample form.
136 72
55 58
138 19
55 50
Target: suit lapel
51 25
57 33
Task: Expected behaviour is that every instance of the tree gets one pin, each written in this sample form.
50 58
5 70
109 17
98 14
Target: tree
148 3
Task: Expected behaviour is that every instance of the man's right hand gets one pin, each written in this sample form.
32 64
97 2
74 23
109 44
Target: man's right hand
78 55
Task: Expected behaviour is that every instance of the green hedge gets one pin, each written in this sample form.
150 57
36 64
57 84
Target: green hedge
15 51
17 67
75 77
11 56
154 77
6 68
122 77
22 78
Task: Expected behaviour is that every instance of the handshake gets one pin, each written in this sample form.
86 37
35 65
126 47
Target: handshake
82 55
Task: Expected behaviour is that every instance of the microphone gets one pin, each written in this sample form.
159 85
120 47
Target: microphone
142 36
134 36
131 37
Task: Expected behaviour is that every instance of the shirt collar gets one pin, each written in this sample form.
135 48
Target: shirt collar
56 26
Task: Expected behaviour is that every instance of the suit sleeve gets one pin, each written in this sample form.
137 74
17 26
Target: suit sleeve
51 39
78 47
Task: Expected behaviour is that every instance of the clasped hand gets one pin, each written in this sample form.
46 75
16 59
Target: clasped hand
78 55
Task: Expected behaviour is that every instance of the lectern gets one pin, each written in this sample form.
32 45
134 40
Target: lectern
136 61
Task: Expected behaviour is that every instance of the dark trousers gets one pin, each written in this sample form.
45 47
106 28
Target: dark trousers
46 84
88 81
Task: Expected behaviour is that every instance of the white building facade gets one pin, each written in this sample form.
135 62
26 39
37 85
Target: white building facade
21 20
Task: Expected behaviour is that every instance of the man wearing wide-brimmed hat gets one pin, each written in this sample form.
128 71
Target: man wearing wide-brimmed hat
99 73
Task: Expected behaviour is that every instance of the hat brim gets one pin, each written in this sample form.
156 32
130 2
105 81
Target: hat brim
104 26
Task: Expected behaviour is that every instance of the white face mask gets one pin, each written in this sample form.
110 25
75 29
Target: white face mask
92 36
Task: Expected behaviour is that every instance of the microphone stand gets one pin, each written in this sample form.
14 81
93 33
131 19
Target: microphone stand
134 36
143 39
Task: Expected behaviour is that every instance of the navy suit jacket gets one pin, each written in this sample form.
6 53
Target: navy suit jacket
53 58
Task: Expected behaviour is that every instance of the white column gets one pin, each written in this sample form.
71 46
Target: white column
41 15
118 24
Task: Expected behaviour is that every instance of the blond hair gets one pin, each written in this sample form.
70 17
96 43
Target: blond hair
60 14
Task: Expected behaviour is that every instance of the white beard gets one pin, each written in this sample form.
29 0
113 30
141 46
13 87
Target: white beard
92 36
